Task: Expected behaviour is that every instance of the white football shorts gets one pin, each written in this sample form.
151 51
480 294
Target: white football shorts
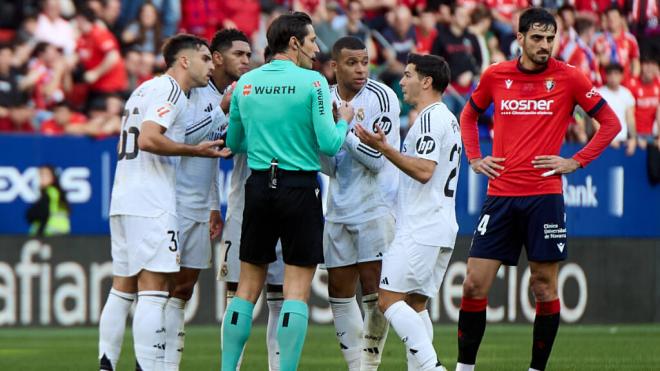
349 244
195 241
149 243
409 267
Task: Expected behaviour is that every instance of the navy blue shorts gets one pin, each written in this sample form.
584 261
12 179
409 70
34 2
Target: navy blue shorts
508 223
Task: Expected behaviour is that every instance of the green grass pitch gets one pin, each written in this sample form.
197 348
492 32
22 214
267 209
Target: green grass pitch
505 347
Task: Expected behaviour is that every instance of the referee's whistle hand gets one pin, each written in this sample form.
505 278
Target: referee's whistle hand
488 166
346 111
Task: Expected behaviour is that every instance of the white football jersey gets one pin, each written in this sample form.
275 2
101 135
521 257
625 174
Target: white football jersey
236 195
144 182
363 183
197 177
428 211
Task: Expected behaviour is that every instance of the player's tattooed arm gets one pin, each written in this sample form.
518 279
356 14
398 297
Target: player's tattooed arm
489 166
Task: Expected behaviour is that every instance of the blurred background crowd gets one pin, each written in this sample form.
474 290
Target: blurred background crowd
67 66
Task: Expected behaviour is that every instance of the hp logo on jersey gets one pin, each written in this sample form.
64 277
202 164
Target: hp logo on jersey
425 145
385 124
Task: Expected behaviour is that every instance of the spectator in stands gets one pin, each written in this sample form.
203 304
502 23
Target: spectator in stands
426 31
646 90
54 29
622 103
616 45
49 216
645 17
105 119
567 34
48 78
10 92
64 121
480 26
138 68
577 52
242 15
354 26
503 15
19 119
460 49
328 28
400 39
145 32
98 52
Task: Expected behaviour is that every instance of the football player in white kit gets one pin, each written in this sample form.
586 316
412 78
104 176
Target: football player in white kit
143 221
231 265
197 188
360 214
415 264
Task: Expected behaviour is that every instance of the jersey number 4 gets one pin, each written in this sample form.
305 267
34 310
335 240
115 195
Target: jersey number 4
134 133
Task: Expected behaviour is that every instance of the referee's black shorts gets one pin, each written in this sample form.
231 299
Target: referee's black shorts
292 212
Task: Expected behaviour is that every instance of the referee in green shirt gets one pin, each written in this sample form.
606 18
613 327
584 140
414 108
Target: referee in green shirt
282 113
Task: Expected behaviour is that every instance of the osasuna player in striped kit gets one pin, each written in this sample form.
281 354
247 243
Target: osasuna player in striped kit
415 264
360 217
198 204
143 219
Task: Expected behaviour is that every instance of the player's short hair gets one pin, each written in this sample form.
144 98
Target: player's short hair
179 42
536 16
347 42
87 13
432 66
613 67
223 39
285 26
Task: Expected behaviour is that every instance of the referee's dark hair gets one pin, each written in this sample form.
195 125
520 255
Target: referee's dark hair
223 39
536 16
347 42
431 66
284 27
175 44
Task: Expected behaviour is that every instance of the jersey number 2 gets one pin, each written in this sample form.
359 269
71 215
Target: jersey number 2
455 149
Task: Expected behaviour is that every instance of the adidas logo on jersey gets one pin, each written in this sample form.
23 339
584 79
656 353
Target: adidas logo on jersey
384 281
209 108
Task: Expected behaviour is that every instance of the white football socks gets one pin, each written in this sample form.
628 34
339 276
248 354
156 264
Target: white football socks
274 300
412 331
374 333
149 329
348 326
112 325
175 334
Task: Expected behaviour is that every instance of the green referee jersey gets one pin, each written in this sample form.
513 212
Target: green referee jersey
284 111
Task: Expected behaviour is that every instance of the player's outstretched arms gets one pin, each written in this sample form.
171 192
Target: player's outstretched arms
153 140
488 166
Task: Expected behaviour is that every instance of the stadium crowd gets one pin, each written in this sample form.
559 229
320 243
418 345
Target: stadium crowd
67 66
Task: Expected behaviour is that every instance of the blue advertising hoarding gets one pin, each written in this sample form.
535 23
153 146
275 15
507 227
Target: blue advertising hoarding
612 197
